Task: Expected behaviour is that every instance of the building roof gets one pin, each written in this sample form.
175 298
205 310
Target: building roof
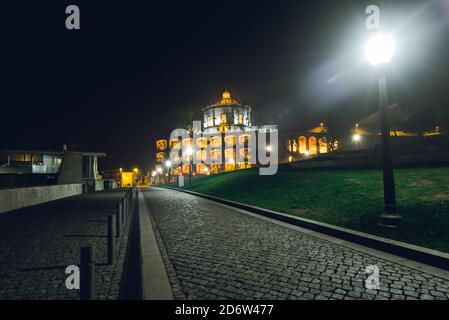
53 153
226 100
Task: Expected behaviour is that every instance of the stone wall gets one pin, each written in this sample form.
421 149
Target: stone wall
12 199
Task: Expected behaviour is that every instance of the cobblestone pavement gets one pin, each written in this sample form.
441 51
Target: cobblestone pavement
37 244
213 252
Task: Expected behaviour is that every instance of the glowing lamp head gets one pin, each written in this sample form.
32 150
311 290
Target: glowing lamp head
268 148
168 164
159 170
380 49
153 173
189 151
136 170
356 137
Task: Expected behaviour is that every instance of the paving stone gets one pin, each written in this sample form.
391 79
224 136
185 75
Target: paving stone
272 261
37 243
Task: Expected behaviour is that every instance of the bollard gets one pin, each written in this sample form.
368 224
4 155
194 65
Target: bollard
124 209
119 220
111 239
87 274
123 213
125 201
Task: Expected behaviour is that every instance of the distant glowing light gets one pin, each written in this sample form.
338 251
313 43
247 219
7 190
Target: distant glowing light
153 173
136 170
189 151
356 138
307 153
168 164
159 170
380 49
268 148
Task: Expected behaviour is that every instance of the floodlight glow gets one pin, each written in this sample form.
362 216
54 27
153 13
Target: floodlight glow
380 49
168 164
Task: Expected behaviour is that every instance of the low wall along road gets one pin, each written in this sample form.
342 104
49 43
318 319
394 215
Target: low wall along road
12 199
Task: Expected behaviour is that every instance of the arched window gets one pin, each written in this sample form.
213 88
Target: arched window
230 140
215 142
302 145
323 145
312 146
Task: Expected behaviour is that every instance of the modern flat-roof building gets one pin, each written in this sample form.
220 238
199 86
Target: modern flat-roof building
37 167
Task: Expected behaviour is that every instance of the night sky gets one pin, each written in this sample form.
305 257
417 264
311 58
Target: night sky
136 67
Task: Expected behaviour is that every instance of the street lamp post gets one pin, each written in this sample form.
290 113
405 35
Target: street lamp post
190 154
379 51
159 170
153 176
356 138
168 165
136 171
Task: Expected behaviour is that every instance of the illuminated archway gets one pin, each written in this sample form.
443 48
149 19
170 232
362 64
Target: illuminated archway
312 146
323 145
302 145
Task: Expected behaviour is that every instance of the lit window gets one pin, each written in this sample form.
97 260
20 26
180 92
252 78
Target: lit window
240 118
209 121
323 145
312 145
302 145
223 118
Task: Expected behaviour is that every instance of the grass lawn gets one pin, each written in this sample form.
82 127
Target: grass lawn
348 198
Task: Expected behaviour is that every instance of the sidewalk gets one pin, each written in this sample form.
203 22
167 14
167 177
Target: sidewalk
37 244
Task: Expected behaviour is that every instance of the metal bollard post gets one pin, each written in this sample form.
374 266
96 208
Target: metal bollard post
123 213
124 209
125 200
87 274
119 220
111 239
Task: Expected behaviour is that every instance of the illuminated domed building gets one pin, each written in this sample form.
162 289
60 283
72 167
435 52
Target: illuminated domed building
226 111
225 116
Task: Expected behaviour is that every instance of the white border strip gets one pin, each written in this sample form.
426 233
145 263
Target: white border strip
155 283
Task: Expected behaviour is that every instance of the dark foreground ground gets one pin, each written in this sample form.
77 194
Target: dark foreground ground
39 242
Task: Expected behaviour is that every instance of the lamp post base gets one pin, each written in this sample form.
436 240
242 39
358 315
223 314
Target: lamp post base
390 220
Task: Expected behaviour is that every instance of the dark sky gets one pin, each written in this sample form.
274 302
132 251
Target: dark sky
125 78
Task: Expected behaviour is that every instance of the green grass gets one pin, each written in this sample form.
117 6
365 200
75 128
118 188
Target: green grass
348 198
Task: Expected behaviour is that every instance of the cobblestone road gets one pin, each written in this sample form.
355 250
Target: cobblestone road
212 252
37 244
